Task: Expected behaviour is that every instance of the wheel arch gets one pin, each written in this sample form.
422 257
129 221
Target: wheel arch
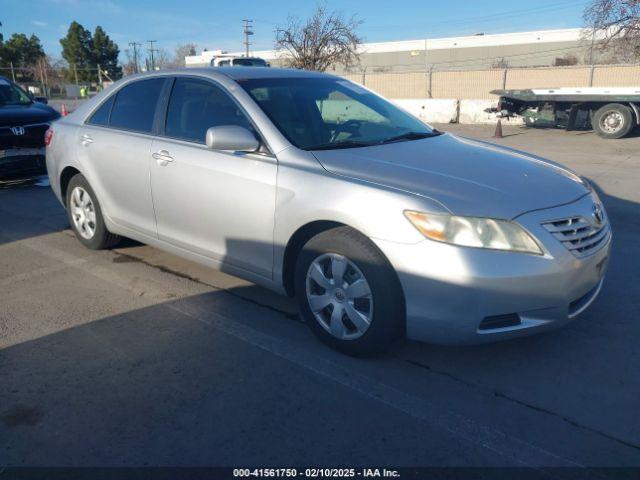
66 175
309 230
299 238
635 107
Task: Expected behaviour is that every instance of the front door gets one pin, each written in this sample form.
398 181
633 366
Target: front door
219 204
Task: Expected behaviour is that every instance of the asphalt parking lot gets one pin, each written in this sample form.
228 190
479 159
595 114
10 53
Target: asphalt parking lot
136 357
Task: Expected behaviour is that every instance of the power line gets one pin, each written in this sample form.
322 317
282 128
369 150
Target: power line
247 32
488 17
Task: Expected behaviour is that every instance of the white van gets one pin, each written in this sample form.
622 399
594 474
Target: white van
231 61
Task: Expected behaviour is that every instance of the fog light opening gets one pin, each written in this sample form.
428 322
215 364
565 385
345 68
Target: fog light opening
500 321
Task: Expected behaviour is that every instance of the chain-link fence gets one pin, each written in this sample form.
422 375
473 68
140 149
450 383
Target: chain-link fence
64 83
468 84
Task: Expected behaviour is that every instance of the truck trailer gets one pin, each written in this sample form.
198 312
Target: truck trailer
611 112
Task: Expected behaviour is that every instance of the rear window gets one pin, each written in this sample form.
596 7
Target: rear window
135 105
249 62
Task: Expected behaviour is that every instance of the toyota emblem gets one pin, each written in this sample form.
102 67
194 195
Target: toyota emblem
598 214
17 130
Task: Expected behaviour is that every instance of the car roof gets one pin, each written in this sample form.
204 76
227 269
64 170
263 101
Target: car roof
240 73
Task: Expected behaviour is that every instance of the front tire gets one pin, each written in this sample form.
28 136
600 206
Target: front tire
613 121
348 293
85 216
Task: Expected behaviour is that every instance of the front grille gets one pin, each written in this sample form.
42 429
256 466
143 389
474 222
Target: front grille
33 137
579 235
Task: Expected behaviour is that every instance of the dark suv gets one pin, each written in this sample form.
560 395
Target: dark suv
23 123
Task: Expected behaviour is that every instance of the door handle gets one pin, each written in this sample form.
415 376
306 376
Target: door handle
162 157
86 140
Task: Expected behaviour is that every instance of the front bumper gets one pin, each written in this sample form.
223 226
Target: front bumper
22 166
450 290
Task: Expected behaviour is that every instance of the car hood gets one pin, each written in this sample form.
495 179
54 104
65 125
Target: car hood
16 115
468 177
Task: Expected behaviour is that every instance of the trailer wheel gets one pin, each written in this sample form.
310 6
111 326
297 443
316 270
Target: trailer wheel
613 120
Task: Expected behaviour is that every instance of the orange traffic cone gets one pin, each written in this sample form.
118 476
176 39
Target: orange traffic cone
498 132
63 110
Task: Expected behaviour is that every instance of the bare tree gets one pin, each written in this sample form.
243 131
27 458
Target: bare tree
501 63
324 40
566 60
129 67
618 23
181 51
162 59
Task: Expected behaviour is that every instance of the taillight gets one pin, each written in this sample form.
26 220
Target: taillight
48 136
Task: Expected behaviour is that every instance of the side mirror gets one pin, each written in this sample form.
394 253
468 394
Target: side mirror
231 137
44 100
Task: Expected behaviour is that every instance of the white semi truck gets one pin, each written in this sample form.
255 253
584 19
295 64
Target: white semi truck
611 112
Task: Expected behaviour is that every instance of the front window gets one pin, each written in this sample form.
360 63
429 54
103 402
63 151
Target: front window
328 113
195 106
11 94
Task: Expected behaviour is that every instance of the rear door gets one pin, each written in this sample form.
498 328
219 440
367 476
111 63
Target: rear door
115 150
219 204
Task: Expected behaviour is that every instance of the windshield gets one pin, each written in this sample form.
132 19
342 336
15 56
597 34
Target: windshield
327 113
249 62
11 94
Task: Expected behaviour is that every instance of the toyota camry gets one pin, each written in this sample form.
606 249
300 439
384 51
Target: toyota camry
314 186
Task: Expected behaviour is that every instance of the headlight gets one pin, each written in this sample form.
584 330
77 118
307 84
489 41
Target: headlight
474 232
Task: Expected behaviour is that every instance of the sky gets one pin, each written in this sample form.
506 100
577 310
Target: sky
218 24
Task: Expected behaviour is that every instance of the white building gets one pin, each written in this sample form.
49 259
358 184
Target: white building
537 48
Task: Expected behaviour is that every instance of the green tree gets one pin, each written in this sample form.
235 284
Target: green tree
105 53
25 53
77 50
22 51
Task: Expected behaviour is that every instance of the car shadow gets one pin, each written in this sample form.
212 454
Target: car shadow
28 208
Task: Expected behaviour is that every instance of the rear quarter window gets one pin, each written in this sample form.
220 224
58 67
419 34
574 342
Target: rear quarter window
101 116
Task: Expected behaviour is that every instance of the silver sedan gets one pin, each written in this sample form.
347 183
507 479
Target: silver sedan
314 186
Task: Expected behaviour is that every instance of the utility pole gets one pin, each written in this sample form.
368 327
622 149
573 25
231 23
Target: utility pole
99 76
247 32
151 50
135 46
593 40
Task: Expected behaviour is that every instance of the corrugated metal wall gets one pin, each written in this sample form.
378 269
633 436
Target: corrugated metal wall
478 83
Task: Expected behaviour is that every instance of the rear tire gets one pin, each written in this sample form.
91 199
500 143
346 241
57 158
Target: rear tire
85 216
358 305
613 121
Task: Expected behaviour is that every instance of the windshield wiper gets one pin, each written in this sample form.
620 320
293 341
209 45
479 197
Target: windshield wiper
412 136
338 145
